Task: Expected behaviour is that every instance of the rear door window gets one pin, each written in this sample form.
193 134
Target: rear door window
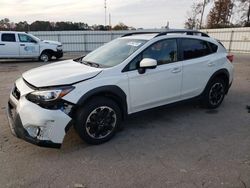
8 37
194 48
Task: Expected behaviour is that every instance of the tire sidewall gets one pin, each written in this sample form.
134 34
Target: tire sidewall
83 113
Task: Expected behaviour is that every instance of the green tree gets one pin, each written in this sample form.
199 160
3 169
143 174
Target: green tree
120 26
40 26
22 26
5 24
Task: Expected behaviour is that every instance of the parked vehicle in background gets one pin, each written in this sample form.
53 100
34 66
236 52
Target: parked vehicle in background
136 72
23 45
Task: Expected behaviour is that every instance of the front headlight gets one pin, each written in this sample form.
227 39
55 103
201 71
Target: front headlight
59 47
50 95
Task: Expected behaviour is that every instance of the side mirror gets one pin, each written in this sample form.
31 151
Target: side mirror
147 63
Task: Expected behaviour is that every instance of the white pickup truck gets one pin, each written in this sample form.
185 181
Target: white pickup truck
24 45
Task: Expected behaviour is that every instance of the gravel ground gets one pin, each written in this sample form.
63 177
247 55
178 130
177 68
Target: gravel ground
181 146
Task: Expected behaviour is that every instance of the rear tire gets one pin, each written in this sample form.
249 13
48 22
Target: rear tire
214 93
45 57
98 120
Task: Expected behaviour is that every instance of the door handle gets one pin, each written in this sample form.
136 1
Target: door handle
2 44
176 70
22 44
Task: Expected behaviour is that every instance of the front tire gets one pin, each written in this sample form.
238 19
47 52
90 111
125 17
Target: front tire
214 93
45 57
98 120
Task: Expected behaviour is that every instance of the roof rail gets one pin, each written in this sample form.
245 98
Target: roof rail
139 33
187 31
170 31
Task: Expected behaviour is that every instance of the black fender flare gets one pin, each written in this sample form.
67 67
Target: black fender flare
50 51
112 91
219 73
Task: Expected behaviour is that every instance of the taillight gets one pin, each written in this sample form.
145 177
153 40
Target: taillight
230 58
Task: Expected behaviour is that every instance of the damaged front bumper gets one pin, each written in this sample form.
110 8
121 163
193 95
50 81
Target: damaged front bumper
34 124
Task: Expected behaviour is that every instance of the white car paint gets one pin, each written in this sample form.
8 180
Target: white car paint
165 84
65 72
156 87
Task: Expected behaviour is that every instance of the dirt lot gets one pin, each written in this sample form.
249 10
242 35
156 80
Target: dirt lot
182 146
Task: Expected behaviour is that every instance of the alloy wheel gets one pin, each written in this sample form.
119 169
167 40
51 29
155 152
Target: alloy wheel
101 122
216 94
44 57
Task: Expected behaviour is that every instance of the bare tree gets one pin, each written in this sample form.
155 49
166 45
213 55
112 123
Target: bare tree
197 9
203 4
192 21
244 8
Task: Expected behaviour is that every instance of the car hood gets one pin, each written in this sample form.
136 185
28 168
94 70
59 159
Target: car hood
51 42
60 73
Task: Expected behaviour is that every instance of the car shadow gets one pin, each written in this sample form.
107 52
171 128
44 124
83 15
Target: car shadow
147 119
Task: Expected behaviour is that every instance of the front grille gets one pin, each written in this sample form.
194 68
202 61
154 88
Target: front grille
16 93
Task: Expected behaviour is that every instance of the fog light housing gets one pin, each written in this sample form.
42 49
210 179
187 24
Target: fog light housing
33 131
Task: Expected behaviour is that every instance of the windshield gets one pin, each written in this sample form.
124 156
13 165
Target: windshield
34 37
114 52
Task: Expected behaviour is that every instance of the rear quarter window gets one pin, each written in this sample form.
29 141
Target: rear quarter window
222 45
213 47
194 48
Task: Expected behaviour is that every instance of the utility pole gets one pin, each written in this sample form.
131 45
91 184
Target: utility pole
202 12
110 20
230 13
167 26
105 7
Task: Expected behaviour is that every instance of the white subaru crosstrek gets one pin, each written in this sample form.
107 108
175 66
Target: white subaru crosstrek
136 72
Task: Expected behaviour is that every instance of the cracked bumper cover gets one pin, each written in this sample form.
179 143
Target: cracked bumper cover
52 123
58 53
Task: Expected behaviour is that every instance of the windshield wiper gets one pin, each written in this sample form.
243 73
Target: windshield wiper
92 64
89 63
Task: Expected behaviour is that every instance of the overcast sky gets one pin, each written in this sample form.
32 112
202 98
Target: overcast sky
136 13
